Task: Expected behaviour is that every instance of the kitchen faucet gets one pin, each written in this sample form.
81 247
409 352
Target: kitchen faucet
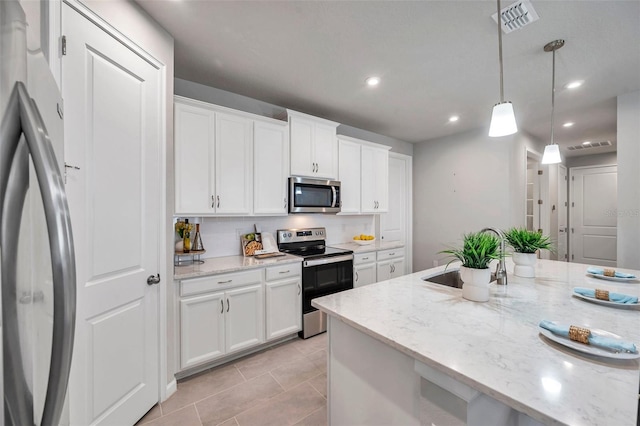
501 271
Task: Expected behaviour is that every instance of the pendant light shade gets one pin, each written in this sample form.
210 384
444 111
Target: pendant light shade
503 120
552 151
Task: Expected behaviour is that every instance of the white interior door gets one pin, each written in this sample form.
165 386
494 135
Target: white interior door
594 200
112 128
393 224
562 213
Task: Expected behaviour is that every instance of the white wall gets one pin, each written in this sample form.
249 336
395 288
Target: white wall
629 180
463 183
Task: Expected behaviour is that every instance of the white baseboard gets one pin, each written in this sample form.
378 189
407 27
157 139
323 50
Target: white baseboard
172 387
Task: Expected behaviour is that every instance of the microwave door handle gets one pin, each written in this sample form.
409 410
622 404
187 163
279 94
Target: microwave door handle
23 117
335 196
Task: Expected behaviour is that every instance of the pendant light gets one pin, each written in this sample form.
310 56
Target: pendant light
503 121
552 151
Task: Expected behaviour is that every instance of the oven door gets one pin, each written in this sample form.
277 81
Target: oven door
313 196
321 277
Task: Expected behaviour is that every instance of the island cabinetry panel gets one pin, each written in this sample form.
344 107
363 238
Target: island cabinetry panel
314 148
364 173
220 314
283 300
271 168
364 269
391 264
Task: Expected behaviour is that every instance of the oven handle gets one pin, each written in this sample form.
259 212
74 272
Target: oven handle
327 260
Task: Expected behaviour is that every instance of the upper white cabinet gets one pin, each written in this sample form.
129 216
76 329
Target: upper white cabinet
271 168
363 174
314 148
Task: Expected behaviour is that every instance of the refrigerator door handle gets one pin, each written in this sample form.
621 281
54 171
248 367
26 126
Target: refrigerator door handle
23 118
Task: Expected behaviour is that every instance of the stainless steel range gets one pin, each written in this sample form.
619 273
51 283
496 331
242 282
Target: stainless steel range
325 270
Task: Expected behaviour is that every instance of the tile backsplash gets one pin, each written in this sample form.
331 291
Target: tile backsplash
221 235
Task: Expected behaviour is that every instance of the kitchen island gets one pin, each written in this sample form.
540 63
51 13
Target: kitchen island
406 351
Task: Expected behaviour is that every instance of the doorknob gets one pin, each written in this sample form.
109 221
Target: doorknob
153 279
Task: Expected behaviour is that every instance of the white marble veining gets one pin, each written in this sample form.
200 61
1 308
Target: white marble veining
219 265
495 346
375 246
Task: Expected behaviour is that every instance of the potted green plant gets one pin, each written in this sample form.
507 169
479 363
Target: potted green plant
525 244
478 250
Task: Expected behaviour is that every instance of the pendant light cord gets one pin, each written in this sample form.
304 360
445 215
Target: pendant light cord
553 90
500 53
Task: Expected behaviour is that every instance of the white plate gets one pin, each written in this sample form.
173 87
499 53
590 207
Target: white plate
593 350
604 277
608 302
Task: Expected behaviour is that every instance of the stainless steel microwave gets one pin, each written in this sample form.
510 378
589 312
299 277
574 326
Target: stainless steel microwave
314 195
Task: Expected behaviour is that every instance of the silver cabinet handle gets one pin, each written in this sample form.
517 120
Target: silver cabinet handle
299 289
317 167
213 201
228 304
285 272
218 198
224 282
68 166
153 279
285 202
357 276
22 117
221 306
392 254
365 258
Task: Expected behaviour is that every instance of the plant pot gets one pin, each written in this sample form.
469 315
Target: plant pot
525 264
476 283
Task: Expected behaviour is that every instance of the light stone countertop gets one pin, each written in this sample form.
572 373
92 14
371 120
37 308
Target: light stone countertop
220 265
377 245
495 347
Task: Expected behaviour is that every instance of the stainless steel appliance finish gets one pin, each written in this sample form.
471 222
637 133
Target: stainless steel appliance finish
314 195
325 270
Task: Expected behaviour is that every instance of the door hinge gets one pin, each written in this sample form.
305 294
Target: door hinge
63 45
573 178
565 256
572 230
573 204
572 257
539 201
60 108
539 172
565 204
565 178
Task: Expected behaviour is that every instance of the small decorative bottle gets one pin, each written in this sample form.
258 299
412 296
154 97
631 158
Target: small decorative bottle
186 237
197 240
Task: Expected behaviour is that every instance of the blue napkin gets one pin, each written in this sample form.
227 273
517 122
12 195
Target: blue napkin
598 271
613 297
600 341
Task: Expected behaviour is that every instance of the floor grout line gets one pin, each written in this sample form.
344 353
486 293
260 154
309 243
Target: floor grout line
242 375
197 413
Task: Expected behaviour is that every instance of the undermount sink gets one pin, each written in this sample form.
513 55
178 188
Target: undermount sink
450 279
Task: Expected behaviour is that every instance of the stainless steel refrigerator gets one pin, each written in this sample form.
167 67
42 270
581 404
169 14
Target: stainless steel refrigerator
37 269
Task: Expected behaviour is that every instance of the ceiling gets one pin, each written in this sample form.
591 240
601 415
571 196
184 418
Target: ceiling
435 59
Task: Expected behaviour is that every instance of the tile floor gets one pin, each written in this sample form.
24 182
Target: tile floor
283 385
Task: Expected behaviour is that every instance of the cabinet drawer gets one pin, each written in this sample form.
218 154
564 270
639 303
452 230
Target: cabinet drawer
284 271
391 253
219 282
360 258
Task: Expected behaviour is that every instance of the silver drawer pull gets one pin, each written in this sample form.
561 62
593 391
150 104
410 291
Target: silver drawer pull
365 258
392 254
224 282
285 272
299 289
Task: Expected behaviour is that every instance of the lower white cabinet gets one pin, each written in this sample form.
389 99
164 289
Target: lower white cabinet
283 300
244 318
364 269
202 329
390 264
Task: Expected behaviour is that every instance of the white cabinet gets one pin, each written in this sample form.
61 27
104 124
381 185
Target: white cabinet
271 168
349 175
314 149
363 172
364 269
375 179
391 264
220 314
283 300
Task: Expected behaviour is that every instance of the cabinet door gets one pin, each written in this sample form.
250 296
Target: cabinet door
349 176
383 271
244 321
368 177
271 168
301 133
194 155
397 267
364 274
234 164
201 329
284 307
381 173
325 148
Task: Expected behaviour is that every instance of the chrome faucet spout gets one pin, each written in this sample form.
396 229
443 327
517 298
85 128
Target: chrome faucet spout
501 270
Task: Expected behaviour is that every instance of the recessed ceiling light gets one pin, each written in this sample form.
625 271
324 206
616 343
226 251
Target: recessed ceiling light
373 81
568 124
574 84
454 118
586 143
